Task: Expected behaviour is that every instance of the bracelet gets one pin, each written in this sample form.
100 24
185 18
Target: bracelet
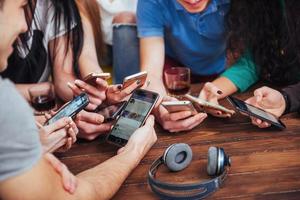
287 102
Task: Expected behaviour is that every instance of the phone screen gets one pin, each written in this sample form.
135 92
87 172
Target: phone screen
256 112
111 112
71 109
132 116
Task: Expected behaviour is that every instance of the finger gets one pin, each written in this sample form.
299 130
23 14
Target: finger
101 84
93 91
74 127
128 90
58 145
190 123
179 115
72 135
150 121
59 124
114 88
184 124
68 144
47 116
90 117
121 150
38 125
76 91
91 129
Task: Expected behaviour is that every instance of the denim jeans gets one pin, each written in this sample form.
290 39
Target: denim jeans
126 59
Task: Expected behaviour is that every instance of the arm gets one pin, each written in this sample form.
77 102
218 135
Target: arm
63 66
239 77
152 52
100 182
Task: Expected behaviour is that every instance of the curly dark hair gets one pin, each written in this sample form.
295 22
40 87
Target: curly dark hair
269 29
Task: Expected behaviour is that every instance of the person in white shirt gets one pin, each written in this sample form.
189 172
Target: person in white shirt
119 27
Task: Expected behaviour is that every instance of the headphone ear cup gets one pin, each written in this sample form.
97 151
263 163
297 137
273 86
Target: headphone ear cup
178 156
212 164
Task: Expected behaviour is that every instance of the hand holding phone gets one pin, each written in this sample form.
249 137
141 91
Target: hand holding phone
256 112
133 116
92 77
71 108
206 104
178 106
129 80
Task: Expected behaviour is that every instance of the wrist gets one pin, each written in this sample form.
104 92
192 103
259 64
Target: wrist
133 152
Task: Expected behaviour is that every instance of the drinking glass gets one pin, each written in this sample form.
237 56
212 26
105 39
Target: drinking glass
42 98
178 81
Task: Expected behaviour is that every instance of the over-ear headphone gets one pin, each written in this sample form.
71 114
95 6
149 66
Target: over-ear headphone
176 158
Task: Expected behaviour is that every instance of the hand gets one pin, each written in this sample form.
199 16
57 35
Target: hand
142 139
211 94
179 121
96 94
269 100
116 94
91 125
60 134
69 181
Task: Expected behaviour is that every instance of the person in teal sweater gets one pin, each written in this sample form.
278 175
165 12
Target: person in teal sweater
265 42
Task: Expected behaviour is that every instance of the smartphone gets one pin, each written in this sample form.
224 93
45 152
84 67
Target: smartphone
111 112
177 106
91 78
133 116
256 112
71 108
129 80
202 103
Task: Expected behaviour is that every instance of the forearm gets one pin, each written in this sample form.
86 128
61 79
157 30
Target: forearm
152 60
88 60
226 86
106 178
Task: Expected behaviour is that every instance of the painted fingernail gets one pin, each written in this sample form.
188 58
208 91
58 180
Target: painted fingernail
219 92
119 87
138 82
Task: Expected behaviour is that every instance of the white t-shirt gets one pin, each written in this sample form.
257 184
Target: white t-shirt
108 9
44 26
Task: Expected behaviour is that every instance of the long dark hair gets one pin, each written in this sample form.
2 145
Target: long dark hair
67 10
270 30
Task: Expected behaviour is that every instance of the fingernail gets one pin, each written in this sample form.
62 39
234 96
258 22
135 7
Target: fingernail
219 92
138 82
69 84
99 121
119 87
77 81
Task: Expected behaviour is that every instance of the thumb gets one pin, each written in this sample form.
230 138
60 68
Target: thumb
150 121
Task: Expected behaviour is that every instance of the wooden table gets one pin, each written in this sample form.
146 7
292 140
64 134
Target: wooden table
265 163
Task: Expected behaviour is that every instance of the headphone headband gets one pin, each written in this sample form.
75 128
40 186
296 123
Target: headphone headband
191 191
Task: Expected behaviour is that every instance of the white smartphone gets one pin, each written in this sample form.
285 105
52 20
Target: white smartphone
142 76
178 106
202 103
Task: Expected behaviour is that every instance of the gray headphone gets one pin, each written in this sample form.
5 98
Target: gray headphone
176 158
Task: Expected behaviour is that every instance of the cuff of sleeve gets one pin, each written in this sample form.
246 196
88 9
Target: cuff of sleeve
147 32
239 82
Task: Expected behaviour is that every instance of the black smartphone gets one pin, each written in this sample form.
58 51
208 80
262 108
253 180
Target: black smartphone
71 108
133 116
256 112
111 112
